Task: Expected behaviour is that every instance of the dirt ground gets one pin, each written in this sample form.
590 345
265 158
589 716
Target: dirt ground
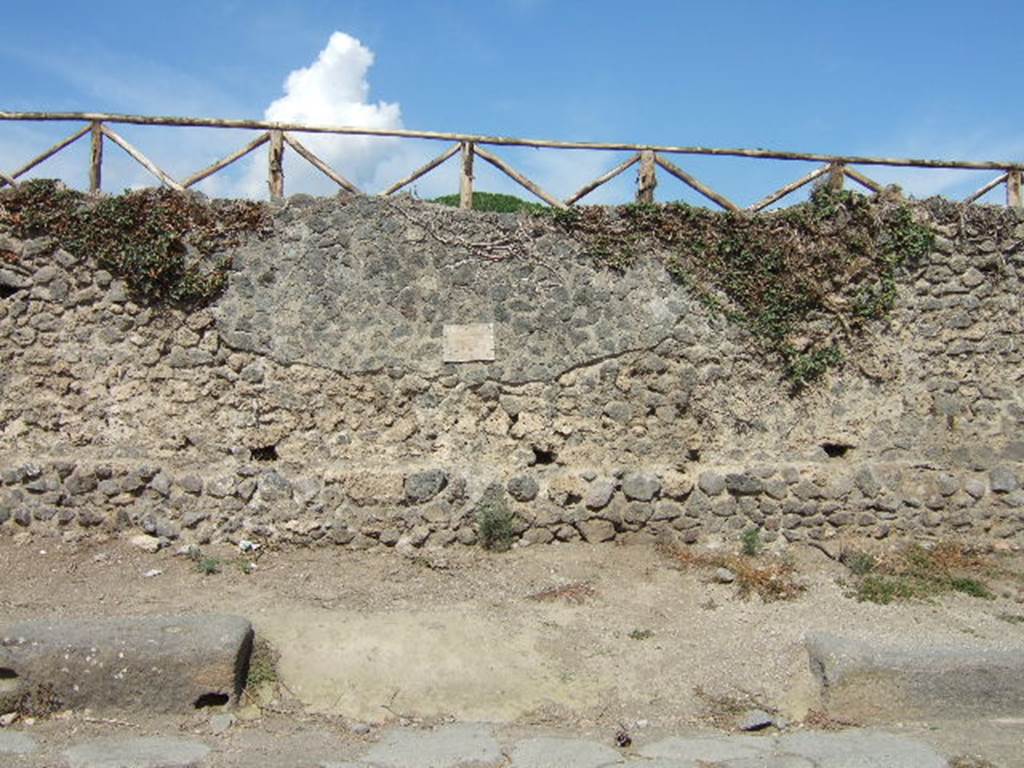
573 636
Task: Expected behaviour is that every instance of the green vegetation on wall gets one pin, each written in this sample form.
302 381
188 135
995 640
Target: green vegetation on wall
802 280
169 247
494 202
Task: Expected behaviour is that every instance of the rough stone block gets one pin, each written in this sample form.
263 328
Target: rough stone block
743 484
141 663
711 483
423 486
1002 480
639 487
599 494
870 683
523 488
595 531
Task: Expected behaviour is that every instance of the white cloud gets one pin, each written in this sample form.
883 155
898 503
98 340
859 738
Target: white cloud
333 90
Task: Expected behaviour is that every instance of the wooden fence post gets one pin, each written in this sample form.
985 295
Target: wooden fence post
836 176
1013 189
647 178
96 159
275 165
466 178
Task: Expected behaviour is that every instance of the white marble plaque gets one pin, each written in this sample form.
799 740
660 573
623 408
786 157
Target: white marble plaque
473 342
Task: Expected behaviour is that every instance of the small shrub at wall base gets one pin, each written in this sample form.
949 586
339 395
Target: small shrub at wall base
495 521
751 542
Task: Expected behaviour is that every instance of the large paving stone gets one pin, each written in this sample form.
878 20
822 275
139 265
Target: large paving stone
144 663
550 752
860 749
15 743
764 761
870 683
464 744
688 751
145 752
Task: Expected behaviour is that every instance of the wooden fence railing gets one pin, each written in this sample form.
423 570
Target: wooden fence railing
279 136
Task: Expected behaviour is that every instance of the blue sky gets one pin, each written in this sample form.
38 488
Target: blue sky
934 79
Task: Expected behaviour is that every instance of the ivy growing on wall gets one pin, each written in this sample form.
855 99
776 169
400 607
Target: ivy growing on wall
802 280
169 247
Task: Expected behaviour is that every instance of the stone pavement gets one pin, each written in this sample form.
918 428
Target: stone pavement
483 746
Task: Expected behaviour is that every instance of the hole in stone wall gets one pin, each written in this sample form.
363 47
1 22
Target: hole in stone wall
212 700
693 454
6 291
542 456
8 680
264 453
835 450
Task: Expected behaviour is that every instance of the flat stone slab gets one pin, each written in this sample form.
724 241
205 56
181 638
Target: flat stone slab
144 752
142 663
551 752
683 750
15 743
801 749
465 744
860 749
877 684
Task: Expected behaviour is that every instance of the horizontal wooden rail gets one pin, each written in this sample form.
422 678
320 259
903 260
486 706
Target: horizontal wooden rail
263 125
649 158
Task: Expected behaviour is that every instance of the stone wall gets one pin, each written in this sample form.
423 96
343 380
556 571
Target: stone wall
312 401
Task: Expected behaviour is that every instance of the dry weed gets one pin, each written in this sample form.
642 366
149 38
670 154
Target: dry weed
769 577
576 593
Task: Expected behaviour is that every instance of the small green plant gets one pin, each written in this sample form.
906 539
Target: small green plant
860 563
875 588
495 521
914 571
494 202
564 217
970 586
616 257
751 540
802 368
262 666
641 634
208 566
